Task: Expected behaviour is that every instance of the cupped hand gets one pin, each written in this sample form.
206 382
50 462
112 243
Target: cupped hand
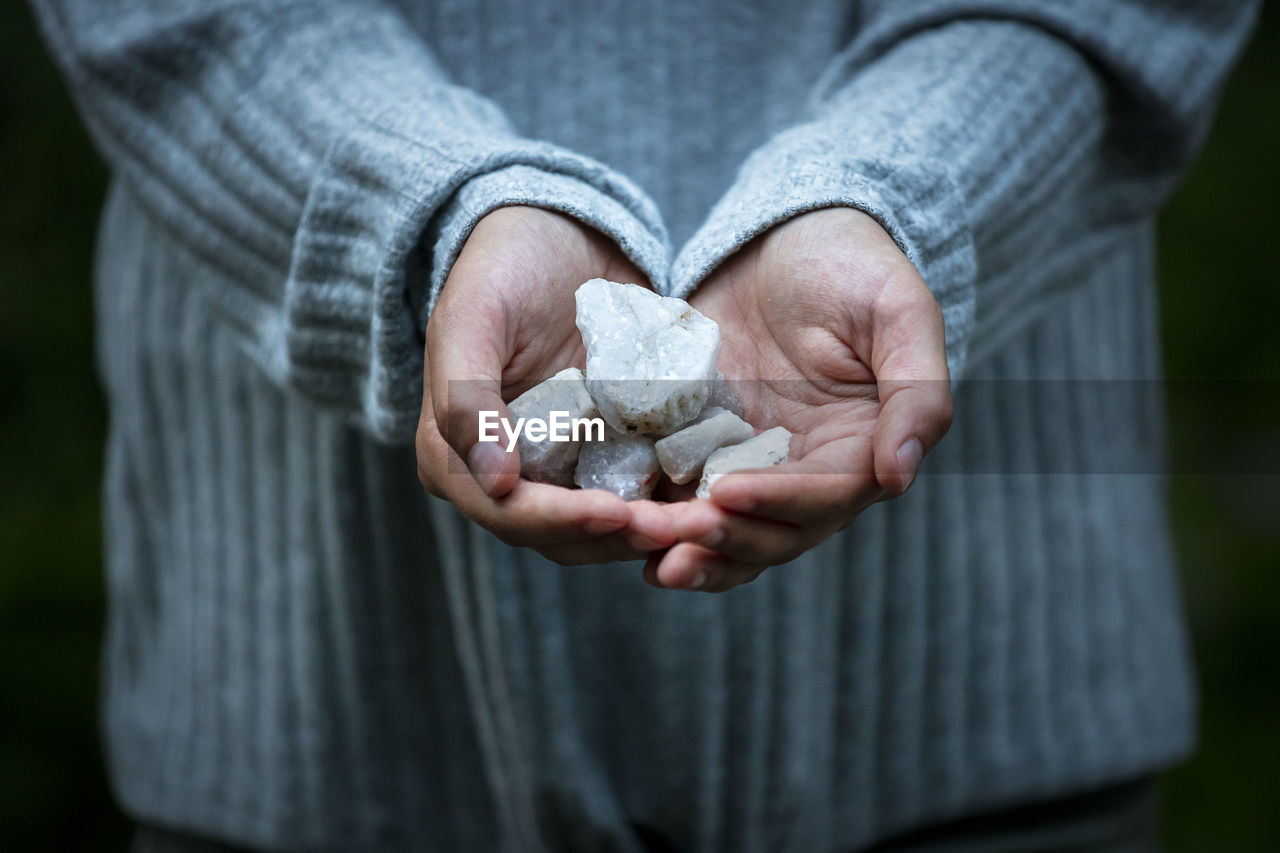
832 334
504 322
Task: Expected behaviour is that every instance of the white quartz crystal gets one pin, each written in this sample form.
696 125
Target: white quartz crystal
651 360
626 465
765 450
682 454
549 461
722 396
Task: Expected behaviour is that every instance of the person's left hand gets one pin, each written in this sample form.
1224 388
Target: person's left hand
840 341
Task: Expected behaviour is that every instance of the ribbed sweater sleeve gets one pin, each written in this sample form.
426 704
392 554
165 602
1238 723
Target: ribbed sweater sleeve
985 135
316 153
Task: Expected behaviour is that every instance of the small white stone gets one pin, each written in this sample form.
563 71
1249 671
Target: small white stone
682 454
549 461
625 465
651 359
722 396
767 449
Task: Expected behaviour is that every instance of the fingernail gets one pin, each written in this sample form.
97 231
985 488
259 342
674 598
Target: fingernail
909 456
485 461
698 580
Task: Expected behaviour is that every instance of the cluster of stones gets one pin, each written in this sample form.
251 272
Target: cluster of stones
651 376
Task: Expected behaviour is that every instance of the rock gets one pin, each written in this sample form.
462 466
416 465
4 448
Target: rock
722 396
767 449
682 454
651 360
550 461
625 465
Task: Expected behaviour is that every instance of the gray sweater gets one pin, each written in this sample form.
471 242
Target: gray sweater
306 652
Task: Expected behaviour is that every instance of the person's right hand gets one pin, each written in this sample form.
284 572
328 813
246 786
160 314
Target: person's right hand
503 323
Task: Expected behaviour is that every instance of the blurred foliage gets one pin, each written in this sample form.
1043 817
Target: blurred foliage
52 790
1220 308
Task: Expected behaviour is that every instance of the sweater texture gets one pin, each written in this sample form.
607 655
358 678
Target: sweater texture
306 652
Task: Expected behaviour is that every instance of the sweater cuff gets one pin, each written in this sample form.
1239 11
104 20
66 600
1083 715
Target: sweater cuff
362 279
533 187
808 168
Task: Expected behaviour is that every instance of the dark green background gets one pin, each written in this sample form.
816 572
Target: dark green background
1220 239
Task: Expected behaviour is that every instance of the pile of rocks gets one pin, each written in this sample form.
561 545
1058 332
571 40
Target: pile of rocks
651 376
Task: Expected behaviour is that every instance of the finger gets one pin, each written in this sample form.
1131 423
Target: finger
612 548
832 484
745 538
650 571
692 567
652 527
650 530
732 575
910 362
466 353
539 515
531 514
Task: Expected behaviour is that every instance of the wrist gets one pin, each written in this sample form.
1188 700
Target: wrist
547 194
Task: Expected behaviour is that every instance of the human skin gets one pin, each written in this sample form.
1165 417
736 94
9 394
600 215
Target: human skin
504 322
843 344
839 337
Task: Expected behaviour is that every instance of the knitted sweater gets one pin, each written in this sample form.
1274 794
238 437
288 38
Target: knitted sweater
305 651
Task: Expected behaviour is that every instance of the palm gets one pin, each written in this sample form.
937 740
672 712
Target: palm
792 357
504 322
528 263
833 335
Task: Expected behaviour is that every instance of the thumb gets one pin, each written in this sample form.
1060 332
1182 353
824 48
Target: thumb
466 353
914 386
